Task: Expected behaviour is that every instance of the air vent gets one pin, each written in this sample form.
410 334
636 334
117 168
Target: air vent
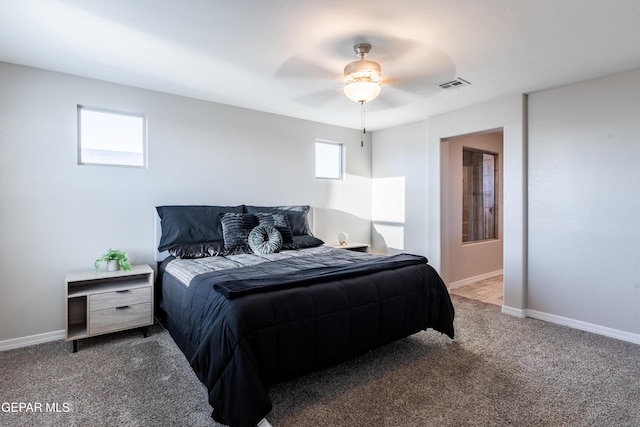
455 83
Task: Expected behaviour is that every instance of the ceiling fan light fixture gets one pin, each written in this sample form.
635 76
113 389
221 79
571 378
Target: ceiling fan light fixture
362 78
362 91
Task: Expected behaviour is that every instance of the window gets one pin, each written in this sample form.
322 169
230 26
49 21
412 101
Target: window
479 195
329 160
111 138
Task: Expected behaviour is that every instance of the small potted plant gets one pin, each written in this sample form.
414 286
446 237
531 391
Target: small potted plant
115 259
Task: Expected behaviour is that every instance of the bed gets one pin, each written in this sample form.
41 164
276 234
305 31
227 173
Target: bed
248 316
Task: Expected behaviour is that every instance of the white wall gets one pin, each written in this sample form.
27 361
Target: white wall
584 203
570 198
399 212
468 260
56 216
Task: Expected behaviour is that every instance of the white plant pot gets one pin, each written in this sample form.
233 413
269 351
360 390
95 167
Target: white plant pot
112 265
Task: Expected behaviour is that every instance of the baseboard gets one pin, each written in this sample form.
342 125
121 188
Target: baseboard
460 283
516 312
585 326
31 340
572 323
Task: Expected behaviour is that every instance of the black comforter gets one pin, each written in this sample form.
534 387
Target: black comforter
245 329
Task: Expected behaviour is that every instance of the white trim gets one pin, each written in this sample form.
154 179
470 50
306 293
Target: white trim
31 340
572 323
460 283
514 311
584 326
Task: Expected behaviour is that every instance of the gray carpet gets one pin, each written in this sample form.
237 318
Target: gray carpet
120 379
499 371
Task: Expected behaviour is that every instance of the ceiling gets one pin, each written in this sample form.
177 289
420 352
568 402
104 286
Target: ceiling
287 56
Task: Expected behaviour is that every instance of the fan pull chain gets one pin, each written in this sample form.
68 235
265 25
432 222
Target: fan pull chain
364 129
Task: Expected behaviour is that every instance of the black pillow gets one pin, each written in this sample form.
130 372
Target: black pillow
197 250
296 214
302 242
265 239
191 224
281 222
235 231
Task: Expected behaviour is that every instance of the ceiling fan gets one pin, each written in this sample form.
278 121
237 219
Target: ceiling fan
412 71
362 80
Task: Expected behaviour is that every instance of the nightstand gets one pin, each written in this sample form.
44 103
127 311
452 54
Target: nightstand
108 301
357 247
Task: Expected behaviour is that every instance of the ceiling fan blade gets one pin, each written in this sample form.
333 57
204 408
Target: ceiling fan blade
389 99
301 68
395 49
420 85
420 74
320 98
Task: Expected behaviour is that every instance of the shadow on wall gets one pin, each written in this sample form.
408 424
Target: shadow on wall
387 237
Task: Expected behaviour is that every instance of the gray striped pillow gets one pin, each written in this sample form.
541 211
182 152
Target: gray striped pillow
235 231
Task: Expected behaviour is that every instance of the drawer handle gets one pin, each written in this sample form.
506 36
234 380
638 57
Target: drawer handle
122 307
123 292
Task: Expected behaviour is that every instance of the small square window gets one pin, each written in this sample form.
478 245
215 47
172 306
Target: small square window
329 160
111 138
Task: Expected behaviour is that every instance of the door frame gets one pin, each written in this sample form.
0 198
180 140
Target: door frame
509 114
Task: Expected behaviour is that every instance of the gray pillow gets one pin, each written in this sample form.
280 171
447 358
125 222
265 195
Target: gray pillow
265 239
235 232
297 215
281 222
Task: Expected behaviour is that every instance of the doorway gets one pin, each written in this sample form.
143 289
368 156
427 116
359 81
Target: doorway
474 260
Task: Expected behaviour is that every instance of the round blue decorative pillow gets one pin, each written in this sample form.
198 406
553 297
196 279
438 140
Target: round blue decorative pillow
265 239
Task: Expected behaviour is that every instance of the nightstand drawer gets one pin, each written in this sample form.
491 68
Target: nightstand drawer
122 317
119 298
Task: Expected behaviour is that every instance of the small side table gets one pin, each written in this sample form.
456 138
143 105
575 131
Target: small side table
352 246
108 301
